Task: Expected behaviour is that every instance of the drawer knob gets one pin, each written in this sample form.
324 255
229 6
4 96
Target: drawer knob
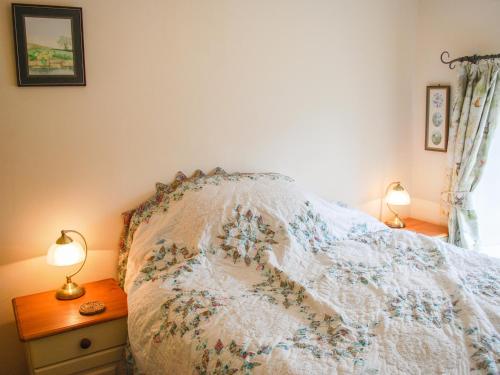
85 343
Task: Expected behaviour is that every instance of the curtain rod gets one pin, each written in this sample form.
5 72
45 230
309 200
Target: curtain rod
473 59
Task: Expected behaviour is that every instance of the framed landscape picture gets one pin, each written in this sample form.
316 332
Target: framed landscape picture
436 124
49 45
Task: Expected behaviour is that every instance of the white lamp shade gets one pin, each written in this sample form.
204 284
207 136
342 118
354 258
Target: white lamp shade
398 197
65 254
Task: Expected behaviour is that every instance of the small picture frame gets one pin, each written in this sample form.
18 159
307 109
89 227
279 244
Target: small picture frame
49 45
437 120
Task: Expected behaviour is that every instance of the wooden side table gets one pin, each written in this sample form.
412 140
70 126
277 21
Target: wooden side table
424 227
59 340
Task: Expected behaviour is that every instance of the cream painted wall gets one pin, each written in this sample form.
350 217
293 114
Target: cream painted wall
463 28
318 90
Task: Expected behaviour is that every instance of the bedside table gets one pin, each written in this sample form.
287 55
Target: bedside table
424 227
59 340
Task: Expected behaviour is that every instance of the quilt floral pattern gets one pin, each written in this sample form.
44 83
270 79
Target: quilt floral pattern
248 274
423 308
246 237
311 231
486 350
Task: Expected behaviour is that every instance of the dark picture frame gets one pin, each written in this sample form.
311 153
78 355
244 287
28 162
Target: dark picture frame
437 118
49 45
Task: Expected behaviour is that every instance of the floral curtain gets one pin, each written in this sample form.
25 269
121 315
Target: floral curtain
473 121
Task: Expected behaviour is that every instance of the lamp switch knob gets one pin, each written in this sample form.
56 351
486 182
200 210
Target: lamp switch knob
85 343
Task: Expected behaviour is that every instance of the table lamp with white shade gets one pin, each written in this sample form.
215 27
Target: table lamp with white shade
66 252
396 195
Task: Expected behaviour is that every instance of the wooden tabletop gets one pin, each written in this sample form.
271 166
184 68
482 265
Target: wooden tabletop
424 227
39 315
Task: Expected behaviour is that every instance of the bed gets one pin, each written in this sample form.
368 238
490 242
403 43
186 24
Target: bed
249 274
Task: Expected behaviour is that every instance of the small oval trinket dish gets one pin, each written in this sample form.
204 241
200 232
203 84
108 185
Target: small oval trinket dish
92 308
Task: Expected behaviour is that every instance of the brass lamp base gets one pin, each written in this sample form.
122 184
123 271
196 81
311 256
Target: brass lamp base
70 290
396 223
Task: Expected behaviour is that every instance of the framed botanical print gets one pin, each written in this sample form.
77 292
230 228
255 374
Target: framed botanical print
49 45
437 122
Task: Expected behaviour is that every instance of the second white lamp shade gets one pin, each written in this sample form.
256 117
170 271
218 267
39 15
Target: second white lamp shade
65 254
398 196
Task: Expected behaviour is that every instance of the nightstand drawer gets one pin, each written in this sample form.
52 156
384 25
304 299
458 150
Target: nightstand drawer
64 346
103 363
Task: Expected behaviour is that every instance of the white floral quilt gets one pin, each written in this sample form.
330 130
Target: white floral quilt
248 274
